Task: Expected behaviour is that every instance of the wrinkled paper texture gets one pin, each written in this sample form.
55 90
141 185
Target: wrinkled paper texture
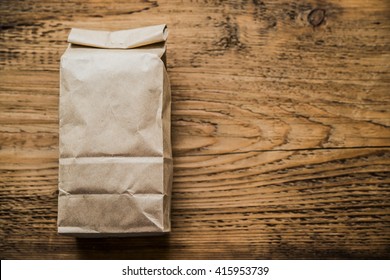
115 166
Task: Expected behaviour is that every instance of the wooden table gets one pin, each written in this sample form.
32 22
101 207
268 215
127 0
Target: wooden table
280 115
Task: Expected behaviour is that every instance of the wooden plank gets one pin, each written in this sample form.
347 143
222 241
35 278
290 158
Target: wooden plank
277 204
206 121
280 128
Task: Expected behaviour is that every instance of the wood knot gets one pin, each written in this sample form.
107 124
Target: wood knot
316 17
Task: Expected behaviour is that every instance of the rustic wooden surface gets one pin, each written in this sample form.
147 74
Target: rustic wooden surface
281 115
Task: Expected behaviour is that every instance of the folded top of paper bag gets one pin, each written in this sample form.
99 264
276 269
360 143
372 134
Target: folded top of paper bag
122 39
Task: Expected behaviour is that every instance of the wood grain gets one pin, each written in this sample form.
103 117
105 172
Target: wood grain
280 128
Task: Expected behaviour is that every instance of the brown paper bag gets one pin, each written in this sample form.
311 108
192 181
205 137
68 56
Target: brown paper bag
115 173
